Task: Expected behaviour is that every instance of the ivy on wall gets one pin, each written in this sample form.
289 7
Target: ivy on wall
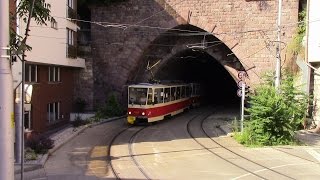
296 47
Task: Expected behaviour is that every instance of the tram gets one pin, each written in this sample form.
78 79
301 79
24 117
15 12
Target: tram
153 102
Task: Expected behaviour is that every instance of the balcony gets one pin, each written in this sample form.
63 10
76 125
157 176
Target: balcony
71 51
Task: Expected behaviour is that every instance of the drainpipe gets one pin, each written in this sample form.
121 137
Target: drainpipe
306 57
306 54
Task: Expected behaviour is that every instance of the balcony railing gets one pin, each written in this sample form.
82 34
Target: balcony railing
71 51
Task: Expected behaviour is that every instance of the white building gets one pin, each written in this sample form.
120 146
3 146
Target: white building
51 66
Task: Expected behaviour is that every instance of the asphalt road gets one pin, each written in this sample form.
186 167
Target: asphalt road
167 151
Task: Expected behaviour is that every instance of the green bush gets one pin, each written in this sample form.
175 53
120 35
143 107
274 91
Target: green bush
110 109
79 122
30 154
274 115
40 144
80 105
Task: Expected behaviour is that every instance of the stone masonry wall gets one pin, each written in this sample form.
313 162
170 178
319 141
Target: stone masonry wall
247 27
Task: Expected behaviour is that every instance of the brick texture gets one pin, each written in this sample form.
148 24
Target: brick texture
119 54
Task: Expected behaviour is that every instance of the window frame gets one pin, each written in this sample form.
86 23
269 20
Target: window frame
31 70
70 3
56 74
70 37
56 111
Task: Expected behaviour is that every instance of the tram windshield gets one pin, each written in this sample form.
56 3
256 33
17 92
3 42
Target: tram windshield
138 96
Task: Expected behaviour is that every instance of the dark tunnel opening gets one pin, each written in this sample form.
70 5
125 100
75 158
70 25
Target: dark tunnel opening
217 85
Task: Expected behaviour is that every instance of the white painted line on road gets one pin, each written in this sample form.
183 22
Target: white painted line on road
275 167
314 154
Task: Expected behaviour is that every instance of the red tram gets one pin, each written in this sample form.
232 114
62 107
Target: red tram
153 102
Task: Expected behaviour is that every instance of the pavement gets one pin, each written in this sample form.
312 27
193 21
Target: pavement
34 169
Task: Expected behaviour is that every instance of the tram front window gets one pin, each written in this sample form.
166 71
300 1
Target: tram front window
138 96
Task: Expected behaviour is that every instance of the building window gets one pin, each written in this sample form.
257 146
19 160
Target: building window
71 4
71 44
70 37
71 10
31 73
53 111
27 120
54 24
54 74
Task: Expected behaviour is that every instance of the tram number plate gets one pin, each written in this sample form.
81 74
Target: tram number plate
131 119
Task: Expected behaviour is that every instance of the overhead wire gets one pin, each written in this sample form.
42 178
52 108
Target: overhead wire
187 32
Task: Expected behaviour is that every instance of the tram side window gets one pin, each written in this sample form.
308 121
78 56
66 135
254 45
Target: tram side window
183 92
188 91
137 96
178 92
166 95
150 96
197 89
173 94
158 96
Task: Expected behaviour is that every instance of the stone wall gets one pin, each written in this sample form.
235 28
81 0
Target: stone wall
84 80
125 31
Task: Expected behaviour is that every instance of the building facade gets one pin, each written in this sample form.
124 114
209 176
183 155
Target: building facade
51 67
313 55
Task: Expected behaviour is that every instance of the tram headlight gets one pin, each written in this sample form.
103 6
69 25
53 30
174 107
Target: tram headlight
143 113
129 112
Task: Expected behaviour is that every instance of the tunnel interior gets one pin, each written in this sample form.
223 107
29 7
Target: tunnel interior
192 65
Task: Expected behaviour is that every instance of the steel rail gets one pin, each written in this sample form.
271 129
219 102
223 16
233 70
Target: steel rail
239 155
221 157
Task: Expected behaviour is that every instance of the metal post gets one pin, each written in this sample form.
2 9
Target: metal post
22 116
6 98
22 85
278 49
243 89
18 103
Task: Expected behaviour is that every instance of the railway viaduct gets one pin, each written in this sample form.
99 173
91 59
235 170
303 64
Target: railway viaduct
172 38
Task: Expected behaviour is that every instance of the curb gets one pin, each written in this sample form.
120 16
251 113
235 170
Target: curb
34 166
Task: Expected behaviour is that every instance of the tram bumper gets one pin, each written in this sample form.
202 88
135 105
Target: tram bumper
131 119
137 119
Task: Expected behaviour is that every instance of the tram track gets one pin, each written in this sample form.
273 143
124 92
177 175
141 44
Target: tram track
229 150
131 154
290 154
274 148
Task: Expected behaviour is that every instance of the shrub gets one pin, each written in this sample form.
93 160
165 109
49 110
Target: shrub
30 154
274 115
78 122
110 109
40 144
80 105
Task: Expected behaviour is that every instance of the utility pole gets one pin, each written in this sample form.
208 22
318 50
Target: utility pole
6 98
278 49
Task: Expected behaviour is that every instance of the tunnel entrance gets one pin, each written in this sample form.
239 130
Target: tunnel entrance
189 54
217 86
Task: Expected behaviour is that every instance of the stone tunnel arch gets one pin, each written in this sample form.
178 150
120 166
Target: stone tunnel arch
194 47
117 54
